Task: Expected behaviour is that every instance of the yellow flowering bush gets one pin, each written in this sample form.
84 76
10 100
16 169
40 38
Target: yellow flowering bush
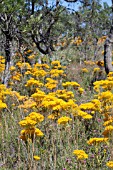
46 99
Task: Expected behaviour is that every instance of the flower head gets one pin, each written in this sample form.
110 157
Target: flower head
64 120
80 154
36 157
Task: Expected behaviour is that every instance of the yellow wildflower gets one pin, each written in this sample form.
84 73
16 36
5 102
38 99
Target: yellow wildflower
54 115
80 154
31 132
84 70
32 81
74 84
12 68
96 69
87 106
38 132
64 120
28 104
108 122
36 158
84 115
80 90
100 63
2 105
96 140
108 130
36 117
110 164
27 122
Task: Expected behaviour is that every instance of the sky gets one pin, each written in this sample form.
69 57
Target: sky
76 5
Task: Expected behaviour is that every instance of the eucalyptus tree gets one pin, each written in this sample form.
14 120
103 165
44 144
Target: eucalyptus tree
42 27
96 20
92 20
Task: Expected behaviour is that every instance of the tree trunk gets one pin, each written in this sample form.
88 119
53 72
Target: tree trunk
7 60
108 52
33 7
108 49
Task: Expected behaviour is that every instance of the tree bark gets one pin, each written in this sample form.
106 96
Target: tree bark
7 60
108 52
108 49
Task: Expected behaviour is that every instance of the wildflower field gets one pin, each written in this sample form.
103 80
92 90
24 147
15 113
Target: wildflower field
53 118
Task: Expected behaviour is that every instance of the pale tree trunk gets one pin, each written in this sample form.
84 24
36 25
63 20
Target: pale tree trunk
8 55
108 49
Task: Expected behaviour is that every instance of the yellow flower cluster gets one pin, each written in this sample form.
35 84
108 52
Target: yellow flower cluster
97 69
63 120
108 130
2 105
64 94
56 63
54 115
28 51
3 93
104 84
36 117
36 157
27 104
56 73
31 56
106 96
100 63
29 133
51 84
56 104
78 41
12 68
29 125
110 164
96 140
34 82
38 96
84 70
80 154
2 64
84 115
108 122
74 84
80 90
17 95
104 88
88 106
52 102
16 76
89 62
42 66
26 66
38 72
